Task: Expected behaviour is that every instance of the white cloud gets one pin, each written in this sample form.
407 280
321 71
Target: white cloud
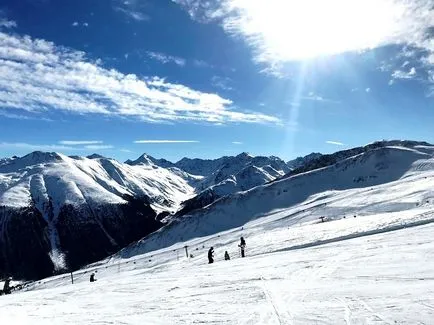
236 142
79 142
202 64
164 58
131 13
314 97
279 31
399 74
222 82
165 141
75 23
39 77
98 147
126 150
86 24
50 147
336 143
368 90
7 23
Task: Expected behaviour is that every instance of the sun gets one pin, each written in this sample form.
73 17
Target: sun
285 30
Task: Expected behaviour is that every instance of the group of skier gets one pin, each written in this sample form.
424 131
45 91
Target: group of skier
242 247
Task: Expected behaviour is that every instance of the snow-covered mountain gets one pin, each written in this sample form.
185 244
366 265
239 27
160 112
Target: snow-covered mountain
215 178
245 170
301 161
75 210
78 208
371 261
380 164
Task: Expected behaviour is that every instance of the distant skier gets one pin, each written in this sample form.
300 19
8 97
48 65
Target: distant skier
6 287
211 255
242 246
227 258
92 277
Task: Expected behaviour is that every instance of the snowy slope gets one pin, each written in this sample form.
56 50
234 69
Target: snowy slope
77 180
362 174
376 268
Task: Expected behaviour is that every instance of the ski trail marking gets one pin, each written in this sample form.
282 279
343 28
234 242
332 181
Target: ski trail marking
270 299
348 311
372 311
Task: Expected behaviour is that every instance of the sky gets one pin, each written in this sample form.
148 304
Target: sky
176 78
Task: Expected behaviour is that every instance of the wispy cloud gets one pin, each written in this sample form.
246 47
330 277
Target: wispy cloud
5 23
133 14
399 74
336 143
164 58
125 150
165 141
79 142
50 147
222 82
368 90
237 142
282 31
40 77
314 97
76 24
202 64
7 114
98 147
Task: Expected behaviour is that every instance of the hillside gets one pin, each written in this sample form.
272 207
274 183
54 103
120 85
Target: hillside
74 210
381 166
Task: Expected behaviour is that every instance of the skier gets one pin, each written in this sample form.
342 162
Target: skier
242 246
211 255
92 277
227 258
6 287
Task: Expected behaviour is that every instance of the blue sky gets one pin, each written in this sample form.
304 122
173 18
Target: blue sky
211 78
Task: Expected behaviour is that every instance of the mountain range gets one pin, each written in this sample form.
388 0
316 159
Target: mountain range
75 210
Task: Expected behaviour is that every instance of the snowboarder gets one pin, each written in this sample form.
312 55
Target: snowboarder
227 258
211 255
242 246
92 277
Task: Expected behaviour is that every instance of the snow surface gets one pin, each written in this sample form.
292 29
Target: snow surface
375 268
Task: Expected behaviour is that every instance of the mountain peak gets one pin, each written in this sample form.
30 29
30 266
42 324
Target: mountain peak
244 155
94 156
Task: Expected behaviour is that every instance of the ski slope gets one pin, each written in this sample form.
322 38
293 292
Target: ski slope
377 268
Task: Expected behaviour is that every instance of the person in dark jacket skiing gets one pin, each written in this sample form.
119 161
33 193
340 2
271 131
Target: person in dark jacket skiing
92 277
211 255
242 246
227 258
